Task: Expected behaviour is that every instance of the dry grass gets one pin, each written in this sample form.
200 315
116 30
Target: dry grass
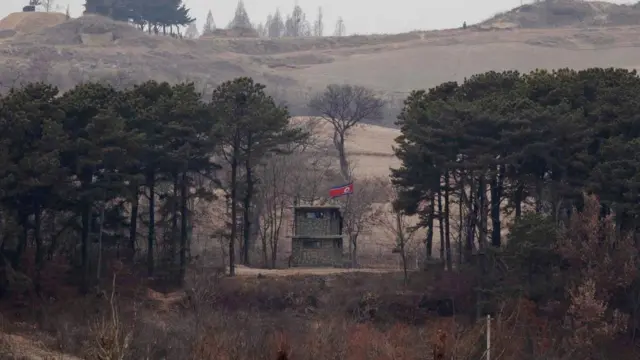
295 67
301 271
21 347
26 22
369 147
354 316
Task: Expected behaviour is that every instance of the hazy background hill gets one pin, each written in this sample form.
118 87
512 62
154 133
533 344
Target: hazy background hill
566 13
549 34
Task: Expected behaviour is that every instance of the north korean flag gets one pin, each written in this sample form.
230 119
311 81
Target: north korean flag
341 190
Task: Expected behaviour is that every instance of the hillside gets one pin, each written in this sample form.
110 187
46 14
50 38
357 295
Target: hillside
95 48
565 13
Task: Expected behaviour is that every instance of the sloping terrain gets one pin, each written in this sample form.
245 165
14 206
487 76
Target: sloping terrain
565 13
27 22
95 48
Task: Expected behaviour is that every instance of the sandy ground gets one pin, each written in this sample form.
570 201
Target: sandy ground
301 271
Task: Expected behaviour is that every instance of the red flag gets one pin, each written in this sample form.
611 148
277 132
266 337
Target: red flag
341 190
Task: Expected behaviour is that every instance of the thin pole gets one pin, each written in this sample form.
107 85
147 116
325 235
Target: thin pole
488 337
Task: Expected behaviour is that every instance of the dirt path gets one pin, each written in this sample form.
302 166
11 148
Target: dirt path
246 271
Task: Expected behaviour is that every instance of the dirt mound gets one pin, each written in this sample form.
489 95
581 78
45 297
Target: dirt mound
94 30
27 22
565 13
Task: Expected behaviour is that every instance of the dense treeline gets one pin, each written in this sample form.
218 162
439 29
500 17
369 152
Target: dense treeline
532 148
506 141
151 15
97 164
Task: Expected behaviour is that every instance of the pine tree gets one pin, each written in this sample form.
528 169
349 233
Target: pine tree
209 25
98 146
318 25
241 18
296 24
251 126
276 27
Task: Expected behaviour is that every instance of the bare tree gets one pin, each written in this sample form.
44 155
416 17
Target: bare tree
318 25
285 181
346 106
192 31
362 210
297 24
48 5
275 26
399 226
340 30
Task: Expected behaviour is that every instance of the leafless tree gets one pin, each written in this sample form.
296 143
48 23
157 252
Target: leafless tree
285 181
361 211
192 31
399 226
344 107
318 25
340 30
48 5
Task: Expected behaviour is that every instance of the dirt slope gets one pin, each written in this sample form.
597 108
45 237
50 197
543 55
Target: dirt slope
95 48
565 13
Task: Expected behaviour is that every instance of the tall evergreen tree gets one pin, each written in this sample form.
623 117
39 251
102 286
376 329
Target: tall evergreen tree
276 26
241 18
209 25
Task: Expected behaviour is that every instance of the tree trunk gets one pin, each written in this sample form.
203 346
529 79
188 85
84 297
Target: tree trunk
151 235
133 223
441 222
246 229
538 199
234 206
447 233
471 223
23 220
461 217
401 242
518 199
84 238
339 142
496 197
174 218
183 227
37 212
429 239
482 196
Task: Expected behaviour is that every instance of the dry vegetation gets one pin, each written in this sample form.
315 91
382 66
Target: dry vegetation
91 47
350 314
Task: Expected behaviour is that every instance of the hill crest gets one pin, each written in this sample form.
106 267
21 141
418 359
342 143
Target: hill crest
564 14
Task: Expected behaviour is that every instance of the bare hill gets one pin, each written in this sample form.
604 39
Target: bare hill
565 13
96 48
